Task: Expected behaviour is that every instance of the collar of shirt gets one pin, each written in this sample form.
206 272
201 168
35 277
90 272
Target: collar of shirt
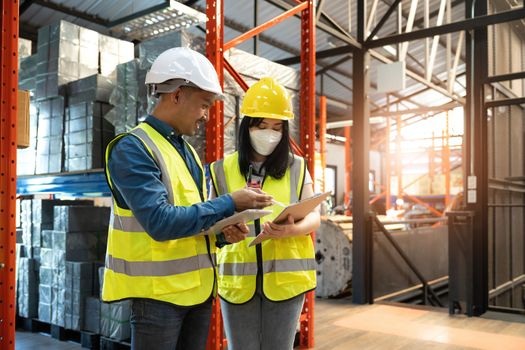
164 129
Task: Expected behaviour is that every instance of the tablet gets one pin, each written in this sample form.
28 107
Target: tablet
297 210
243 216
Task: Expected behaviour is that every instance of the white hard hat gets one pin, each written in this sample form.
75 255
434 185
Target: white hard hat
187 64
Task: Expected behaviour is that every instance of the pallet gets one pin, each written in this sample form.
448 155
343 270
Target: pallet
112 344
32 325
89 340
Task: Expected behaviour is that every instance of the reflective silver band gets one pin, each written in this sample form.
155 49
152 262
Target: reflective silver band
158 268
295 174
165 177
126 223
234 269
289 265
286 265
220 177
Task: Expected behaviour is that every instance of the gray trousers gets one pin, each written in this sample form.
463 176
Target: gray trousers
261 324
163 326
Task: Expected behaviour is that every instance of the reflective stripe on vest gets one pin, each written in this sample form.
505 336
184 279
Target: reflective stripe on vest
179 271
157 268
141 134
288 264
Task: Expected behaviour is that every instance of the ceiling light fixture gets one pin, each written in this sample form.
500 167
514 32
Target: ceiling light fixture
174 16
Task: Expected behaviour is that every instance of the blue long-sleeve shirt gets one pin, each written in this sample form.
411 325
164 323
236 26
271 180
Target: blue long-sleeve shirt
137 186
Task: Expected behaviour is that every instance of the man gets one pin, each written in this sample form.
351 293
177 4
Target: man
158 187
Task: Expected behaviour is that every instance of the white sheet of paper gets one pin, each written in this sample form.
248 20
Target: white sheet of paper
241 217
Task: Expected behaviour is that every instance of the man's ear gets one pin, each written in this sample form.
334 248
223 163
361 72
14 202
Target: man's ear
176 96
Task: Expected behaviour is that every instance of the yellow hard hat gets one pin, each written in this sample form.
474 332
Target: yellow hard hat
267 99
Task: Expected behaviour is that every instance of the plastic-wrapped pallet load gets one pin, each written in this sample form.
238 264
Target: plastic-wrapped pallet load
24 48
86 136
27 288
39 215
67 52
92 88
81 218
25 223
79 246
92 315
45 283
50 129
130 96
27 73
58 292
115 316
78 287
125 98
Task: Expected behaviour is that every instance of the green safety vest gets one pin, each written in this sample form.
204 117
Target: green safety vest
179 271
288 264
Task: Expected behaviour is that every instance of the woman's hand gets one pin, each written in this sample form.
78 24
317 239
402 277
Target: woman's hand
285 229
235 233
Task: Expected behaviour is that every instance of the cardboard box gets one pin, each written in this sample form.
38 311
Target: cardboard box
23 119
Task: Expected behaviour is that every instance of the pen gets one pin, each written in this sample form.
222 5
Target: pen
249 177
278 203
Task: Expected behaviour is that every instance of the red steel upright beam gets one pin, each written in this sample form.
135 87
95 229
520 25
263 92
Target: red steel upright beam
215 133
8 143
307 107
348 168
307 115
214 51
322 137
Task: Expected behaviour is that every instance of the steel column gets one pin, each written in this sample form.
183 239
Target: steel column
214 52
362 244
398 160
348 169
307 134
215 133
322 138
8 144
477 152
388 162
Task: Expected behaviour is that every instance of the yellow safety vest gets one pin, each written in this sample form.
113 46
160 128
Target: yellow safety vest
179 271
288 264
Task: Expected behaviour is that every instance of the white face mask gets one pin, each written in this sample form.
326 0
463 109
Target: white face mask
264 141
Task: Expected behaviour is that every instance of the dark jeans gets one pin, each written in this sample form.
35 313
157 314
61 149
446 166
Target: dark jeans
164 326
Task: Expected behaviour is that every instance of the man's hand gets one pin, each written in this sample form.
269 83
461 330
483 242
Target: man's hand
236 233
251 199
286 229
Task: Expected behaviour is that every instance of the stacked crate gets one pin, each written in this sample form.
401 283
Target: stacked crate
49 135
27 287
79 240
67 52
87 133
115 316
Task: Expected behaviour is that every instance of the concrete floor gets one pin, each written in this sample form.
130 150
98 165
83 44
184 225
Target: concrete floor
33 341
341 325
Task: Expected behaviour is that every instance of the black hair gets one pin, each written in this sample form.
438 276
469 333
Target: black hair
277 162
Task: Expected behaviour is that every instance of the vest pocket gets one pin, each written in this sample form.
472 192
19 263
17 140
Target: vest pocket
178 267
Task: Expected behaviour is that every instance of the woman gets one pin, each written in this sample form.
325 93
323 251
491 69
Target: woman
262 288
